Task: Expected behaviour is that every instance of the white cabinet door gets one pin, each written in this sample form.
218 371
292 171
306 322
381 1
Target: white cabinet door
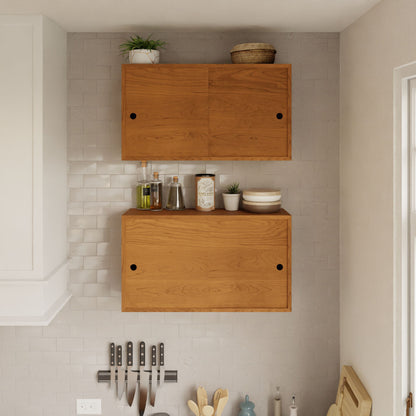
17 118
33 258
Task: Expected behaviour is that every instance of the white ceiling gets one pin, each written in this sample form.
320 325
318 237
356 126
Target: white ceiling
156 15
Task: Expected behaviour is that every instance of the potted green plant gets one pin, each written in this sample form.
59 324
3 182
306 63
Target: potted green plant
142 51
231 197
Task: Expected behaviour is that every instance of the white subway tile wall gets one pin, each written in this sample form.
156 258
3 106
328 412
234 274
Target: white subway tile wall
44 370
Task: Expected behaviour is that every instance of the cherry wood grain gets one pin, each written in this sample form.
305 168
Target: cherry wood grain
243 103
191 261
171 107
206 112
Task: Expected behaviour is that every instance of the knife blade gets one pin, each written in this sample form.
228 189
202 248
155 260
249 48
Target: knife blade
161 364
112 364
131 377
143 379
154 378
120 373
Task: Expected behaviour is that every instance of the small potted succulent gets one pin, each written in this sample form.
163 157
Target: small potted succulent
231 197
142 51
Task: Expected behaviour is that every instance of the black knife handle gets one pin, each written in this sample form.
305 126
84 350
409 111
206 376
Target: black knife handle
153 355
162 354
129 354
119 356
112 354
142 355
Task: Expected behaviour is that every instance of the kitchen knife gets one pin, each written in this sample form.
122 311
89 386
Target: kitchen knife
154 377
143 379
112 364
161 364
131 377
120 373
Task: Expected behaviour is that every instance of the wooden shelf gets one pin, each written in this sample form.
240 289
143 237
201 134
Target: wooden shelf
186 212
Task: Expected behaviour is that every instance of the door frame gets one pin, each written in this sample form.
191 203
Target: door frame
403 287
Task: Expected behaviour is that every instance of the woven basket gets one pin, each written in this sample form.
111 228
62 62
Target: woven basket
253 53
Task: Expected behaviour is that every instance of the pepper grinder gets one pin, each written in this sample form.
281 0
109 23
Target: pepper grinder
293 408
277 403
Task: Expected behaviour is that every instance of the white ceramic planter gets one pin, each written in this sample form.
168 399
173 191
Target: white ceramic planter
231 201
144 56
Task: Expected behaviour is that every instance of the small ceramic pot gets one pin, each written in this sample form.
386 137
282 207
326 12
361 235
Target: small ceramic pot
231 201
144 56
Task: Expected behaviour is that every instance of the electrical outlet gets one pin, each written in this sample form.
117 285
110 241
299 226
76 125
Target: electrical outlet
88 406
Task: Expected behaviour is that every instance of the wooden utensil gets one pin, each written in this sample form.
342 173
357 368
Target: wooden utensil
222 402
194 407
201 396
216 398
207 410
333 411
352 397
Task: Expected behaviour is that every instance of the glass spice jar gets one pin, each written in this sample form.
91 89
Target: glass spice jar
205 192
143 188
175 198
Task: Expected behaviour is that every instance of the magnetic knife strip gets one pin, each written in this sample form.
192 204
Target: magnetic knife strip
125 379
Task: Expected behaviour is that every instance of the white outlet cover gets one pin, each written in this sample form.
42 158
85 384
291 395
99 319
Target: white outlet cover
88 406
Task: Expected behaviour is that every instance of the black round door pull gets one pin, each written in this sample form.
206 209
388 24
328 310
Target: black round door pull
133 267
133 116
279 267
279 116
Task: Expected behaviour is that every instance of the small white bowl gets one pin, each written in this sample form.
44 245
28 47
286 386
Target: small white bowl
262 195
261 207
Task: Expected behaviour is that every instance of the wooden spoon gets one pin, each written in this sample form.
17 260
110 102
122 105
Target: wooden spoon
222 402
207 411
202 399
194 407
216 398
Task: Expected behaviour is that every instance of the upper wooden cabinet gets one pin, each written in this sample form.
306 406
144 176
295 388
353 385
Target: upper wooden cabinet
218 112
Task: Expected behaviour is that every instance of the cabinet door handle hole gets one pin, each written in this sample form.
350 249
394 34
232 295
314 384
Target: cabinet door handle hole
279 116
279 267
133 267
133 116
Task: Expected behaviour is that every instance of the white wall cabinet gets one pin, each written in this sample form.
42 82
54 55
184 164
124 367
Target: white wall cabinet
33 256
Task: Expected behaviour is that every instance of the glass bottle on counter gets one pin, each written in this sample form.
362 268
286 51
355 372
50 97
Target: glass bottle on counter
143 188
175 198
156 193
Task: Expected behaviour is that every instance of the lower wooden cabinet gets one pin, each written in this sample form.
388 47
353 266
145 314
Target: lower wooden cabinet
217 261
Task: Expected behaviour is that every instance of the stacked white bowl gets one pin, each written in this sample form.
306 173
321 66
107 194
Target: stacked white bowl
261 200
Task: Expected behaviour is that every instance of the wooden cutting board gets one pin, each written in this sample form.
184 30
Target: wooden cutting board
352 397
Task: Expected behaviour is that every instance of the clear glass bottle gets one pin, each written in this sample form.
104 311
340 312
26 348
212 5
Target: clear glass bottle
175 198
293 408
156 193
143 188
277 403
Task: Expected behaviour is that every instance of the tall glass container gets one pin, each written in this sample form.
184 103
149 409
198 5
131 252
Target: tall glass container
175 198
143 188
156 193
